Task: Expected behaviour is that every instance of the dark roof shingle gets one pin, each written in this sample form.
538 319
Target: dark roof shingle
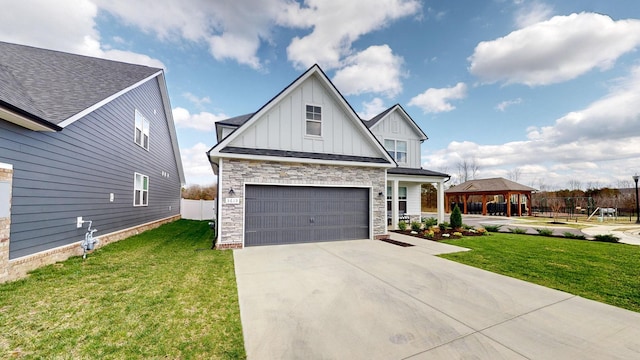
52 86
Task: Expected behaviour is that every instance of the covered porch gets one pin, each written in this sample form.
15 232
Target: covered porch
404 194
497 196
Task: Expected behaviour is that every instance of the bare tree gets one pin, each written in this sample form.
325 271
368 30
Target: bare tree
467 169
199 192
575 184
514 174
625 184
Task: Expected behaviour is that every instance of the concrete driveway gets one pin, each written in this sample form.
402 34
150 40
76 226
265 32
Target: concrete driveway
369 299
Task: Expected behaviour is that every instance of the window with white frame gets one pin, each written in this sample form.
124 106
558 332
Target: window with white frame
142 130
402 200
314 120
397 149
140 190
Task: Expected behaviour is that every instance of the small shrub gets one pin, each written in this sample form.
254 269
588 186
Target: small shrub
569 235
429 234
607 238
402 225
545 232
428 222
518 231
467 227
435 229
457 233
444 225
415 226
492 228
482 231
456 217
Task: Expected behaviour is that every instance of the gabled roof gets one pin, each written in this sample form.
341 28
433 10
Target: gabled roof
53 89
47 90
488 185
222 149
377 119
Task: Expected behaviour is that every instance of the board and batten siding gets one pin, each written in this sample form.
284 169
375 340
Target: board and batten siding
59 176
283 127
395 127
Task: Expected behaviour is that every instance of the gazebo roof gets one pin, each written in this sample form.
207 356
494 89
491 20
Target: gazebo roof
497 185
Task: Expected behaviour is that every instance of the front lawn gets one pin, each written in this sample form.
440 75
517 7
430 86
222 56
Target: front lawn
160 294
609 273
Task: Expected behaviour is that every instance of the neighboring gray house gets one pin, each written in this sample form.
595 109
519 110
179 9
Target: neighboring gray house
80 137
306 168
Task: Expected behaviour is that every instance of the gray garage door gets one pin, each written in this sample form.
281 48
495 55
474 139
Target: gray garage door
295 214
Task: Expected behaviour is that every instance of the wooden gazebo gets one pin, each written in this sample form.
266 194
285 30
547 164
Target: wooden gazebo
490 191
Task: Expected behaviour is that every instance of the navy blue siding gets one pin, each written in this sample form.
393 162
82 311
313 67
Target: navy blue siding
59 176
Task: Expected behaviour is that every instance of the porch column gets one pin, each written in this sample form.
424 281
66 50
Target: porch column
441 202
484 204
508 203
519 204
394 205
464 203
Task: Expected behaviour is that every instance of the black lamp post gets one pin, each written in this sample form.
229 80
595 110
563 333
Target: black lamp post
635 178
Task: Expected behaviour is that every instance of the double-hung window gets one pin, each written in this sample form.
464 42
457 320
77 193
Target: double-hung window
397 149
140 190
142 130
313 120
402 200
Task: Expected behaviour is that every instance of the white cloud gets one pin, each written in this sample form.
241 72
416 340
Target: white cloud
197 101
532 13
556 50
438 100
505 104
67 26
356 77
372 108
197 169
232 31
203 121
336 25
595 144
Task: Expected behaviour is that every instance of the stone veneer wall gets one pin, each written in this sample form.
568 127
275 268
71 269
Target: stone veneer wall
6 175
18 268
236 173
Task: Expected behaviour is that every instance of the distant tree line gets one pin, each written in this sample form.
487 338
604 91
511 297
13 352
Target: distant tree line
199 192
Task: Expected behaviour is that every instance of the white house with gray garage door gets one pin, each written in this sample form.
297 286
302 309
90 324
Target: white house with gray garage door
305 168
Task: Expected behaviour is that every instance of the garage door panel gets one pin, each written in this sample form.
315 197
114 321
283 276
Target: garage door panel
305 214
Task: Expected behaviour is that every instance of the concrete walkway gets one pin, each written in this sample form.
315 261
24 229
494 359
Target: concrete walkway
369 299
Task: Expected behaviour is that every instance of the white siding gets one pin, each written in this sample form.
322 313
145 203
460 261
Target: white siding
396 127
283 126
413 198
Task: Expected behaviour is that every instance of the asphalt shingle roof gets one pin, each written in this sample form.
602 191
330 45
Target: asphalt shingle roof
412 171
301 155
52 86
488 185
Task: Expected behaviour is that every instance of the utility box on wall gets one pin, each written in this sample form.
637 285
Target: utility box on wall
5 199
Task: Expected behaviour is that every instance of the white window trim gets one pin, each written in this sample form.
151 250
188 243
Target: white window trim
395 150
142 191
146 122
321 121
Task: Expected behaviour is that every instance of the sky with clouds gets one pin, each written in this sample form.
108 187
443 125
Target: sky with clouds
545 90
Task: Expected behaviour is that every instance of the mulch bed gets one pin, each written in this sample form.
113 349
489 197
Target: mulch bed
395 242
437 235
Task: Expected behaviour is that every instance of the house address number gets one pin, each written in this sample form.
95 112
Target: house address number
232 201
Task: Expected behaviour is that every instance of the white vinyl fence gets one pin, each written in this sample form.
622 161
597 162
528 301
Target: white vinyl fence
197 209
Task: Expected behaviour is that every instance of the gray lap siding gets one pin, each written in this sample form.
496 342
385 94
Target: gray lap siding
61 175
237 174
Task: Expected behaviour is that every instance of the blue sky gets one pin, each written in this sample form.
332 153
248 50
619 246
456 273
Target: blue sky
545 92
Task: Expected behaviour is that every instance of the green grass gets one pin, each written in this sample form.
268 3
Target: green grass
609 273
160 294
